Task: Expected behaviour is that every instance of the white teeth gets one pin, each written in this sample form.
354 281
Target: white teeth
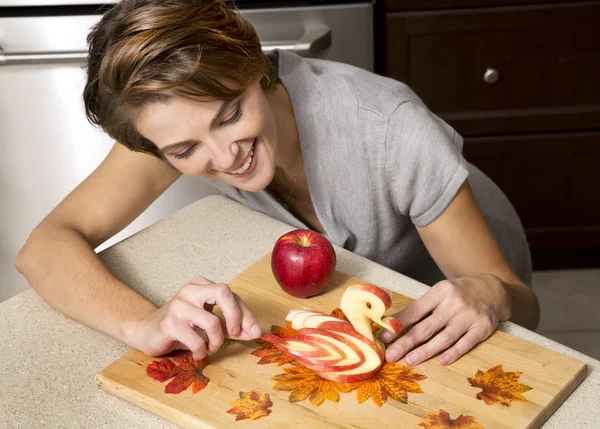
246 164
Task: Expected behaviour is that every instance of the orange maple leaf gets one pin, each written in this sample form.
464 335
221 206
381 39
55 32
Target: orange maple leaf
304 383
188 372
393 381
499 386
251 405
337 312
285 332
442 420
271 354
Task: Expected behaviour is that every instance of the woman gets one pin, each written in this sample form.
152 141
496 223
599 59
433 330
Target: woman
184 87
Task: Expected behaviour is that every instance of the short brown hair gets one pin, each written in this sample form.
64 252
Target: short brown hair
145 51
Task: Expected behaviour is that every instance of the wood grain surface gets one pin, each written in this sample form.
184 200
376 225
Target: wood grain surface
551 376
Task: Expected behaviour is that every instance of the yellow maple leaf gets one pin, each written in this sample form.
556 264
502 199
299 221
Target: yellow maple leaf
442 420
392 381
251 405
499 386
304 383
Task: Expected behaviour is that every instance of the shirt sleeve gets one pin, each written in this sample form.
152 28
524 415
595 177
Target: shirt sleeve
424 162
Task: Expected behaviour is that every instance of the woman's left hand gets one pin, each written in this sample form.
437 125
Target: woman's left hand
460 313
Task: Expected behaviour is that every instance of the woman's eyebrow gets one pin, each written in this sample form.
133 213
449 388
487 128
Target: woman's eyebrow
224 106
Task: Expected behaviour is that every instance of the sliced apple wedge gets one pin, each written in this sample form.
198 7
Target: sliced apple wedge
292 313
362 303
373 362
341 350
319 320
351 357
394 324
299 317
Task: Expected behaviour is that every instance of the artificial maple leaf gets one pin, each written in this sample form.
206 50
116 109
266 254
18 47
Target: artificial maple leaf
161 370
304 383
499 386
285 332
251 405
337 312
442 420
393 381
188 372
271 354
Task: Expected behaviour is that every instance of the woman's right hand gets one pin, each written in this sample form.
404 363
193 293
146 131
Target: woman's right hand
187 321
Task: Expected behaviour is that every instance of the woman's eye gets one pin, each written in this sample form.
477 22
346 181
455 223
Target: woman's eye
235 117
185 154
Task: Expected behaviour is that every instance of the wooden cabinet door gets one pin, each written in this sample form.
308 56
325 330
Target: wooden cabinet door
541 64
553 180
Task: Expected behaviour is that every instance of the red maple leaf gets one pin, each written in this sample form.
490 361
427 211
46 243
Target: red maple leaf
188 372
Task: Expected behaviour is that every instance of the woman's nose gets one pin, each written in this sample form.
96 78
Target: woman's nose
225 156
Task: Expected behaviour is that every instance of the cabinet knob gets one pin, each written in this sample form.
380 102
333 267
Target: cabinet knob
491 76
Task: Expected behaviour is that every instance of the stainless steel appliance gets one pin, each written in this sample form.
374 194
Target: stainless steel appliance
47 147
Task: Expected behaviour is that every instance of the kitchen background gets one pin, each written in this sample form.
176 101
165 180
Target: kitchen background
516 78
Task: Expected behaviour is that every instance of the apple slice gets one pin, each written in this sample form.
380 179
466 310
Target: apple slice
370 366
318 321
338 364
299 317
306 348
301 347
293 312
394 324
362 303
351 358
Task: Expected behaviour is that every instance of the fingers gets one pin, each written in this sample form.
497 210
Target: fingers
222 296
187 313
190 339
417 335
462 346
413 312
440 342
240 323
250 326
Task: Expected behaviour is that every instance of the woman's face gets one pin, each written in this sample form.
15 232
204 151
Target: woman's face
235 142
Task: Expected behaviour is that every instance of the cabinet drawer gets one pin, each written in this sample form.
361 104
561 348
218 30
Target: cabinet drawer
551 179
540 61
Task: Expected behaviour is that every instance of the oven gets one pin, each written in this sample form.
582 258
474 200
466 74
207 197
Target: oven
47 146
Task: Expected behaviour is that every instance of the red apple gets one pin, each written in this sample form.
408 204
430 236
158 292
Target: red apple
303 262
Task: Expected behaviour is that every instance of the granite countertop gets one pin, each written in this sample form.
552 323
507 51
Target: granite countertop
49 363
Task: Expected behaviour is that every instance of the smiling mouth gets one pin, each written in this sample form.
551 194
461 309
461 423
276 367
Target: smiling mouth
247 164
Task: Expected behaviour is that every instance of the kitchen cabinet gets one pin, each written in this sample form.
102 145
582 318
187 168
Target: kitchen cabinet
517 79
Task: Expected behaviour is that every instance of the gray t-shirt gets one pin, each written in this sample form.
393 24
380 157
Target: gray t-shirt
378 162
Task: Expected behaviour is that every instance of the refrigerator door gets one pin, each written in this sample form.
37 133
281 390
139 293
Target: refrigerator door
47 146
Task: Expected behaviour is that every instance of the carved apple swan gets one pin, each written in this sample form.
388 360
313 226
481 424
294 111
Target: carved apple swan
339 350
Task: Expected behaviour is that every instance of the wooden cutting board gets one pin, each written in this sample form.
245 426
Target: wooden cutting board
550 376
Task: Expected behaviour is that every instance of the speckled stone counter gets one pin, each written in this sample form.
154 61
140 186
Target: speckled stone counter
48 363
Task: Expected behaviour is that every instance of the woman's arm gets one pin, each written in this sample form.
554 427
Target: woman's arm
481 289
462 245
59 259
